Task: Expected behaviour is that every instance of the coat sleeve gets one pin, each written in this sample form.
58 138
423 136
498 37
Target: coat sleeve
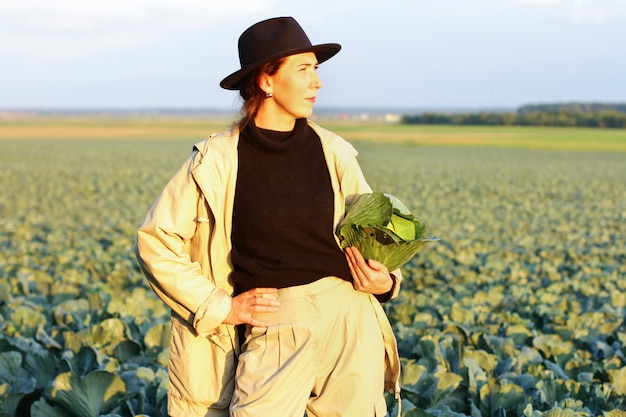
162 249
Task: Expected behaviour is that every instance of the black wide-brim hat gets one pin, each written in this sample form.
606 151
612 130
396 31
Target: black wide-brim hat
273 39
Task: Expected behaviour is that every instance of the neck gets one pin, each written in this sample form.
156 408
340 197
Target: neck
265 118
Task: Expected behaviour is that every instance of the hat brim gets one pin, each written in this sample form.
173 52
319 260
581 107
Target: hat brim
323 52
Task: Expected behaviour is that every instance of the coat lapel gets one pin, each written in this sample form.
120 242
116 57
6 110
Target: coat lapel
216 177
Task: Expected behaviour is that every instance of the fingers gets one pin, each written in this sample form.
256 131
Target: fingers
260 304
378 266
368 275
358 267
355 258
257 323
355 261
261 300
257 300
262 291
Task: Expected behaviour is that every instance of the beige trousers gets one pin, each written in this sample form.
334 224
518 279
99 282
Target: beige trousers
323 353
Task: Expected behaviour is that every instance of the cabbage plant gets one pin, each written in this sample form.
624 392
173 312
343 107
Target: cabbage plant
382 228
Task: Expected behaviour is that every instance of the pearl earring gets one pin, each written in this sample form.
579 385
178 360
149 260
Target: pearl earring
268 95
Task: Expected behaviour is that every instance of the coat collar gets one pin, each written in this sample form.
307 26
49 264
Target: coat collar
215 172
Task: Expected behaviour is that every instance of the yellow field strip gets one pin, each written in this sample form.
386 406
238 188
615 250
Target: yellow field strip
94 128
171 128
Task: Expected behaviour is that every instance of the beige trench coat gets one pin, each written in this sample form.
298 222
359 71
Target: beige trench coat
183 247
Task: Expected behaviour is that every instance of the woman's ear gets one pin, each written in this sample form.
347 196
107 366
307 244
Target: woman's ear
265 82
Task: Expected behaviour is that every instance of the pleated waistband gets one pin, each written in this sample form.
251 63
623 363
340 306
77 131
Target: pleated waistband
302 301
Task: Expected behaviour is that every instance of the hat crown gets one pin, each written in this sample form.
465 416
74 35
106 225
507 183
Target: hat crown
273 39
269 38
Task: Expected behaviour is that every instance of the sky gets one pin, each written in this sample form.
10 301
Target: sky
416 54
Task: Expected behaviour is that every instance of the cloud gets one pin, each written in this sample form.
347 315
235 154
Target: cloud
83 16
539 2
70 28
585 10
599 10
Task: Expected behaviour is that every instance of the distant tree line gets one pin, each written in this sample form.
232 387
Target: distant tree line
574 107
568 114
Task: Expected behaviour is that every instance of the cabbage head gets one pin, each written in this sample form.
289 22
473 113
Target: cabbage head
382 228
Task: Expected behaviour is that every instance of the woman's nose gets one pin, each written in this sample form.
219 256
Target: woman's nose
317 81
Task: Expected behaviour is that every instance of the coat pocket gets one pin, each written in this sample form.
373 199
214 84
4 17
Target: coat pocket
200 370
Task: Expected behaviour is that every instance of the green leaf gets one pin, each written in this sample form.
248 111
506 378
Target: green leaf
398 206
559 412
447 381
371 209
556 368
41 408
72 341
42 366
12 372
381 231
95 394
407 406
552 345
27 320
5 292
486 361
106 335
411 373
618 380
404 227
10 366
381 245
138 381
82 362
416 412
476 375
495 395
462 315
126 350
139 306
510 396
163 357
47 340
73 313
10 404
157 341
158 336
161 393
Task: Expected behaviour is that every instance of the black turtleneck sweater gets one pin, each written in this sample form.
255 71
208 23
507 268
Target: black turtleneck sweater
283 212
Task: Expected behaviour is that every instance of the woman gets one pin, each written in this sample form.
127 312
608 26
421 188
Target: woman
243 235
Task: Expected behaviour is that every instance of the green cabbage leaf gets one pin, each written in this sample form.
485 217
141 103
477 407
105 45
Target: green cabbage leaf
381 227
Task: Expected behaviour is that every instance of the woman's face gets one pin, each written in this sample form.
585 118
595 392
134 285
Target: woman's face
294 89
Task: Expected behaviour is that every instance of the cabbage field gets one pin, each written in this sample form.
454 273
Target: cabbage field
517 311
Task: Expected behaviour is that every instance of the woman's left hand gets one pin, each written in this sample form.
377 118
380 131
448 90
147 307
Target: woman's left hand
369 276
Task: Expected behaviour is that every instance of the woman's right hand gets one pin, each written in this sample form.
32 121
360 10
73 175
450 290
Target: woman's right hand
250 302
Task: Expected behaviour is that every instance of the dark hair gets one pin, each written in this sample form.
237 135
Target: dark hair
252 94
